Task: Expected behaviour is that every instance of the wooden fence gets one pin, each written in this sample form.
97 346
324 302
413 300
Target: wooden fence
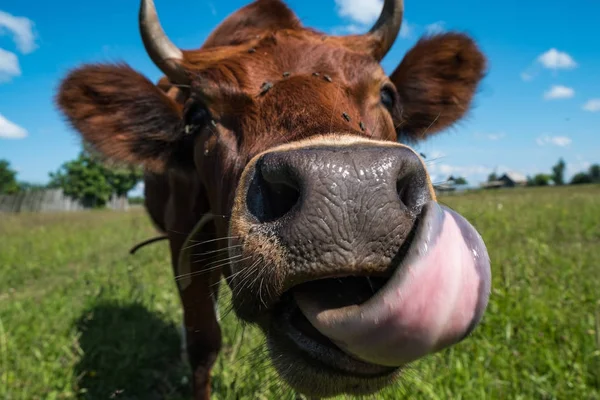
51 200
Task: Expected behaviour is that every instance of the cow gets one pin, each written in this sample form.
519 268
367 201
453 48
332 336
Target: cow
278 158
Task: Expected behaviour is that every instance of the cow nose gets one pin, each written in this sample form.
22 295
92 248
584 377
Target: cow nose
275 189
351 183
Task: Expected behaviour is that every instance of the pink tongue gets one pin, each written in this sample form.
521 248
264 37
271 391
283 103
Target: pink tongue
430 303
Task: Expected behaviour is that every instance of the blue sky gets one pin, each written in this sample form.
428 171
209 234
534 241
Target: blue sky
540 101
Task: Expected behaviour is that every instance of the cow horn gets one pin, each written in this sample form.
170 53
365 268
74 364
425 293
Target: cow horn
161 50
388 26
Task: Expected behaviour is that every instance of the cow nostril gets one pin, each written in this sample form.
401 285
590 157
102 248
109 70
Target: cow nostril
413 189
272 194
282 198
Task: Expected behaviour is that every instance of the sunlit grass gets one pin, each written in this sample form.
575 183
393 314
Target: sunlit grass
80 318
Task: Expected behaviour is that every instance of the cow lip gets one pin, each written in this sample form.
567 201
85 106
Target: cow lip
315 348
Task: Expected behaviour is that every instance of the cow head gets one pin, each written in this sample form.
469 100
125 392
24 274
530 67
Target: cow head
342 254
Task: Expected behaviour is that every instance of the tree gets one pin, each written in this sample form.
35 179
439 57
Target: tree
460 181
580 178
558 173
595 173
123 179
541 180
8 178
592 176
88 179
83 179
492 177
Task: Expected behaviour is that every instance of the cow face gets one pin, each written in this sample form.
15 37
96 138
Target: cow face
343 256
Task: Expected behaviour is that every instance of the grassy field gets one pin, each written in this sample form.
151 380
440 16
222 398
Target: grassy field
80 318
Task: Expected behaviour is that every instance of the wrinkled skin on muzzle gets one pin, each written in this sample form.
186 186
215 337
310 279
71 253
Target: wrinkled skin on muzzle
353 265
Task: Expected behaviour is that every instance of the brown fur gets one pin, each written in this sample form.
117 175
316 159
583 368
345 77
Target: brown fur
253 20
141 120
436 81
330 85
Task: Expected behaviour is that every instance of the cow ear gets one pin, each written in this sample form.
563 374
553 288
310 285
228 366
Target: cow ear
122 114
436 82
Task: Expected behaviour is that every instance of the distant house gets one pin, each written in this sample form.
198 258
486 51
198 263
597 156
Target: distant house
445 187
513 179
509 179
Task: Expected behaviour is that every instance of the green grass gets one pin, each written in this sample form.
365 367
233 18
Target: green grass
80 318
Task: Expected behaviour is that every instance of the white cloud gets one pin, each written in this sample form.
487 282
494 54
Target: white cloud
363 14
352 29
491 136
9 66
441 172
526 76
21 29
554 59
559 92
467 170
495 136
592 105
406 31
436 154
561 141
10 130
213 10
362 11
436 27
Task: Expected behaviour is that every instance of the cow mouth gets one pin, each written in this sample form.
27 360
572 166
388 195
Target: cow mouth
293 327
370 327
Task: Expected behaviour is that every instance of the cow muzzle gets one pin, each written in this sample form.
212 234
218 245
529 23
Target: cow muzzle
349 264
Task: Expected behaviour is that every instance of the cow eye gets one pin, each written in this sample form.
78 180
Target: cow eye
388 98
195 117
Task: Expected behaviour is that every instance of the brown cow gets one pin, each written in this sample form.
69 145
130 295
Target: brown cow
286 150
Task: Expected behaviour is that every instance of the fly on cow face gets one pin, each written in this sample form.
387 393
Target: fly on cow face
335 245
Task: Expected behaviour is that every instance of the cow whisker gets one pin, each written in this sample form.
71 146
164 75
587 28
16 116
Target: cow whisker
262 271
370 284
209 241
213 268
225 260
217 251
244 279
241 271
209 255
209 259
197 259
234 275
399 124
255 355
227 309
431 124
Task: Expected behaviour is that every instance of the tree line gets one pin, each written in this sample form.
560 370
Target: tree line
87 178
557 176
90 179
